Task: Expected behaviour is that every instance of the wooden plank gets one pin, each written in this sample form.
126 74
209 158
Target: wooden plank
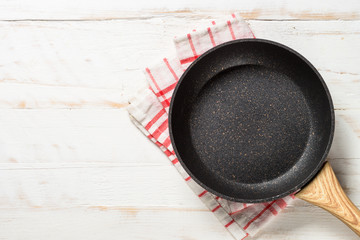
99 64
91 224
295 223
65 135
108 136
96 185
60 185
110 9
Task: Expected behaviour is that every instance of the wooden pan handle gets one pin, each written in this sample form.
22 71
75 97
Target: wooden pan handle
325 191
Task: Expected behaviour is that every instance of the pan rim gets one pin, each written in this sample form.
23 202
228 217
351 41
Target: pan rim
326 151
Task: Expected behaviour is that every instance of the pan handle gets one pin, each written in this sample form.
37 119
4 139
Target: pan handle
325 191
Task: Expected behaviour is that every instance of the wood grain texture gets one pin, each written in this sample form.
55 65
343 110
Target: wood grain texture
71 163
110 9
325 191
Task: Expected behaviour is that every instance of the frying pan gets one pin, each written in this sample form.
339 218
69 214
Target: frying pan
252 121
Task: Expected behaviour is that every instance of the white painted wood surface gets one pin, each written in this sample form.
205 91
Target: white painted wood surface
71 163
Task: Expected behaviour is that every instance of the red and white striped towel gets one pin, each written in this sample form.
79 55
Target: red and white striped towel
148 110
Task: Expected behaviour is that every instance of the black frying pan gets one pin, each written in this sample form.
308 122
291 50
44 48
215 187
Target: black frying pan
252 121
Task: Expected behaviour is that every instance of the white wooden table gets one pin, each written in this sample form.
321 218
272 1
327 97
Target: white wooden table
72 166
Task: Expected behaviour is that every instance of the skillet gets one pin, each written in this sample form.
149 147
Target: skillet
252 121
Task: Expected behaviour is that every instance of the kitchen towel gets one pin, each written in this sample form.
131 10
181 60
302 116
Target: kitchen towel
148 110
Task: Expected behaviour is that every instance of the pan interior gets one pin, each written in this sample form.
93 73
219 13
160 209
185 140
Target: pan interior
251 121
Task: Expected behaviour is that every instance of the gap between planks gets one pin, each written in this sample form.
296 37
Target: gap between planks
155 17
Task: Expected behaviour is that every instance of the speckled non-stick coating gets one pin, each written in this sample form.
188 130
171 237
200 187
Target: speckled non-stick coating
251 120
